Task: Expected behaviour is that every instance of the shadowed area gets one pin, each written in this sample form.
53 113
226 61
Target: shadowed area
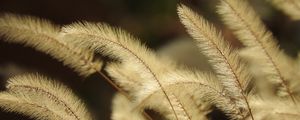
155 22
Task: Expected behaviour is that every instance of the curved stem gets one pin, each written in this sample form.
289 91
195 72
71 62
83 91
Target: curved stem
117 88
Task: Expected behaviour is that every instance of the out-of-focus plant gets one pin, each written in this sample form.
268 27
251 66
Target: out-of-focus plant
257 82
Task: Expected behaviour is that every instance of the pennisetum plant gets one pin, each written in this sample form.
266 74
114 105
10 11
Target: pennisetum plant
257 82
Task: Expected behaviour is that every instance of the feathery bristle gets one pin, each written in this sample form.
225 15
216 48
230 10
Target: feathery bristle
135 85
39 94
20 104
187 107
45 37
119 44
249 29
230 69
201 87
124 77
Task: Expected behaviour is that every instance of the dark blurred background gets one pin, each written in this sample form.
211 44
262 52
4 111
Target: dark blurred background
154 21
